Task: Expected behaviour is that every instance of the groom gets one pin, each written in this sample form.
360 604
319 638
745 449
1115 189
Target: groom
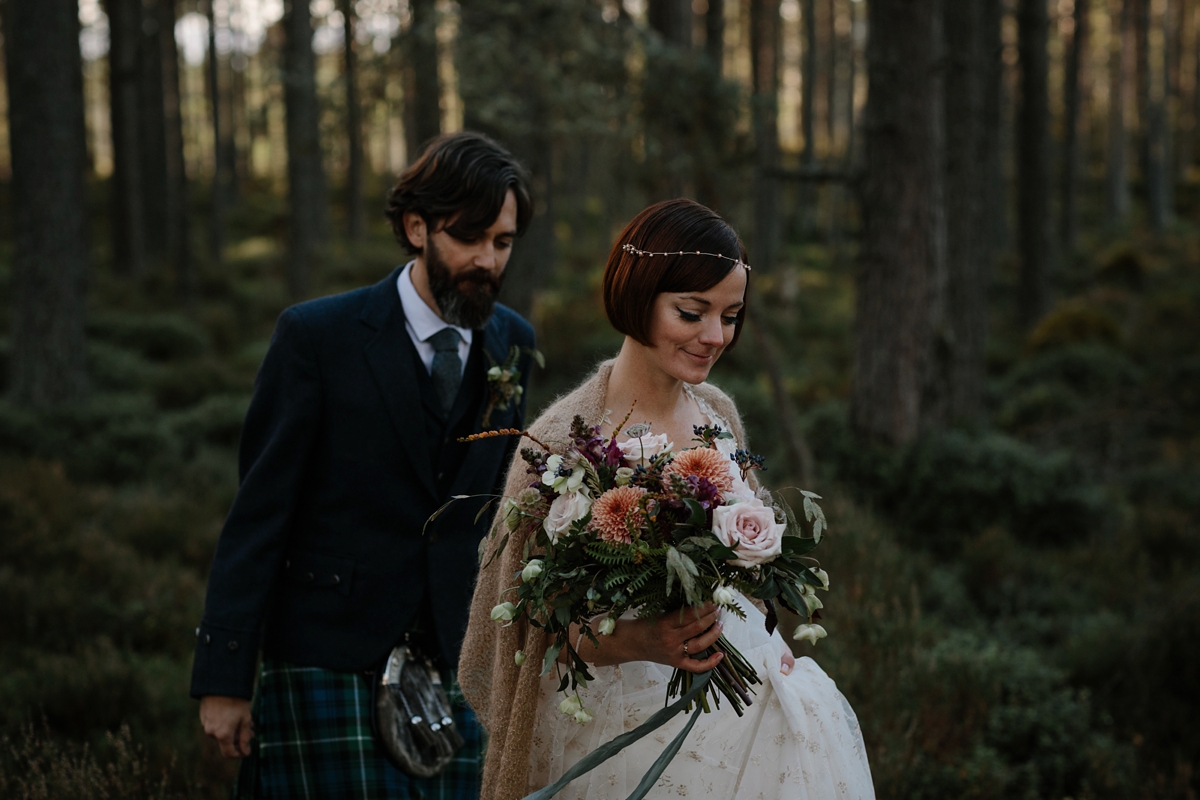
326 560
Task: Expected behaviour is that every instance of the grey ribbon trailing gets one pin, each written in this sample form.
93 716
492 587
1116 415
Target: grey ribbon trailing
609 749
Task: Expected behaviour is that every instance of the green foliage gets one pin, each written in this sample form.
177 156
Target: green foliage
158 337
1073 322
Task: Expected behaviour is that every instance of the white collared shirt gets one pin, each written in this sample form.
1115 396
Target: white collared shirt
422 322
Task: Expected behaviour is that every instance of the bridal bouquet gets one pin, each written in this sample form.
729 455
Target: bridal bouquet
613 527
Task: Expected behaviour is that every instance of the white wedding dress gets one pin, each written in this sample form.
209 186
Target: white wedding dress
799 740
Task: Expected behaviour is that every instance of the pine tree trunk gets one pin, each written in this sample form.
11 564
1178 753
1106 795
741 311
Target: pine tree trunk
764 58
901 257
49 163
1033 168
1117 176
831 67
714 33
1158 129
808 80
152 139
673 21
961 370
423 98
1072 122
1141 50
307 194
996 201
178 210
128 215
355 214
220 168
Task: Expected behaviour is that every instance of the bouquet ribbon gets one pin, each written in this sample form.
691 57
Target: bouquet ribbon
611 748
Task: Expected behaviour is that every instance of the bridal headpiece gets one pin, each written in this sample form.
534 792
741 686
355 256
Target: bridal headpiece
628 248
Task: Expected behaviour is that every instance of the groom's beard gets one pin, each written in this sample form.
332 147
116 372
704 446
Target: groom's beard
466 300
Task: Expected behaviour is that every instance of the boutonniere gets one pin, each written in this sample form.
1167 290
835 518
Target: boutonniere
504 381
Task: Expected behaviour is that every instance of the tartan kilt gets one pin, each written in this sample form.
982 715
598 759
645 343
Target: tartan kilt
313 740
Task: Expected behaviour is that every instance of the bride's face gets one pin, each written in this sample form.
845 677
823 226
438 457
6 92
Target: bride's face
690 330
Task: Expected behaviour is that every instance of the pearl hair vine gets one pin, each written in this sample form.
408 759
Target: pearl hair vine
628 248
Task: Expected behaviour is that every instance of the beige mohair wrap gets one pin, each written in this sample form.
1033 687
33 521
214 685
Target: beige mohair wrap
505 696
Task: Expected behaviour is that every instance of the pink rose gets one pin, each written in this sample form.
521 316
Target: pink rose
750 528
645 447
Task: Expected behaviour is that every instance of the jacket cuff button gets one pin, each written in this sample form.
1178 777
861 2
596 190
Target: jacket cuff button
337 579
207 639
233 646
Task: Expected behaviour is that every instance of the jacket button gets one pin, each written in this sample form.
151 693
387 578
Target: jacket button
441 475
197 633
337 579
309 576
207 639
233 646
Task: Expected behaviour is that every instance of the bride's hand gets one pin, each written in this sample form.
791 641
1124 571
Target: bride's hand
675 638
787 662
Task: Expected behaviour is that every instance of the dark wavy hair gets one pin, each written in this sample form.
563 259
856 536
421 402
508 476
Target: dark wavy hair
459 182
631 282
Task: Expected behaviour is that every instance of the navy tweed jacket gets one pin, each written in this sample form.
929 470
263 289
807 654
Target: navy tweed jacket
326 553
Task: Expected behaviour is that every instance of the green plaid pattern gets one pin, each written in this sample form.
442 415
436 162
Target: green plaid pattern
314 742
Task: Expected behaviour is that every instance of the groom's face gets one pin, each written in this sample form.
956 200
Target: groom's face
464 277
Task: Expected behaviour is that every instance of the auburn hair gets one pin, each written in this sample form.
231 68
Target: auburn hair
460 179
632 281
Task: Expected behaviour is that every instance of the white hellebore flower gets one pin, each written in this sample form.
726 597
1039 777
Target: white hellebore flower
811 601
582 716
495 372
809 632
624 476
564 512
571 705
532 569
822 576
519 657
607 626
504 612
723 596
510 513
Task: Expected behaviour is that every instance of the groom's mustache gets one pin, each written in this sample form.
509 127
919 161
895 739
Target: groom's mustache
480 280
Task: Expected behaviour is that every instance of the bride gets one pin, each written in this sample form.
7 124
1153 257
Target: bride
675 285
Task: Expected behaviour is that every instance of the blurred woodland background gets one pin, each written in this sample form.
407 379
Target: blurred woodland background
975 318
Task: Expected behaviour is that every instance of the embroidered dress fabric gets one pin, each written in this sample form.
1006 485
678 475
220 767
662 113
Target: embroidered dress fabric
799 740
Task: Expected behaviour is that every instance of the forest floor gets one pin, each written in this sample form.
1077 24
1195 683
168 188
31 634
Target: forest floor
1015 606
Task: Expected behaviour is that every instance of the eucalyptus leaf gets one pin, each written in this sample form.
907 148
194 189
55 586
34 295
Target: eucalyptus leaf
551 656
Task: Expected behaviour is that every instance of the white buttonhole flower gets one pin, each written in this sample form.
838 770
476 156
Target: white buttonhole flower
809 632
519 657
504 612
532 570
607 626
723 596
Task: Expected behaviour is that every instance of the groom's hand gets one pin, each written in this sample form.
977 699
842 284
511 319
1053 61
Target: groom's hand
227 719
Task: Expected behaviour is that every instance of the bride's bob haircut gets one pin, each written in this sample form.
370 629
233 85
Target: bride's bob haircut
632 281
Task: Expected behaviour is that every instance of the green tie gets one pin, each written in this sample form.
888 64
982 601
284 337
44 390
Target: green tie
446 369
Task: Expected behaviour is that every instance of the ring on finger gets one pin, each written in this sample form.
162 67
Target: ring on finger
685 647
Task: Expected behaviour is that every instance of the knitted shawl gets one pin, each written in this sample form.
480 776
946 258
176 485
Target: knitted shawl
505 696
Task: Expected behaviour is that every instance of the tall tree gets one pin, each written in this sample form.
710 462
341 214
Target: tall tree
1142 81
960 368
152 134
1116 162
1072 157
808 72
221 170
901 259
831 70
1158 127
673 20
423 91
714 33
1033 167
128 216
178 216
764 61
355 214
307 194
996 200
49 163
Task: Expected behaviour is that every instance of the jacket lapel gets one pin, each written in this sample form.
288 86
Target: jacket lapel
394 369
